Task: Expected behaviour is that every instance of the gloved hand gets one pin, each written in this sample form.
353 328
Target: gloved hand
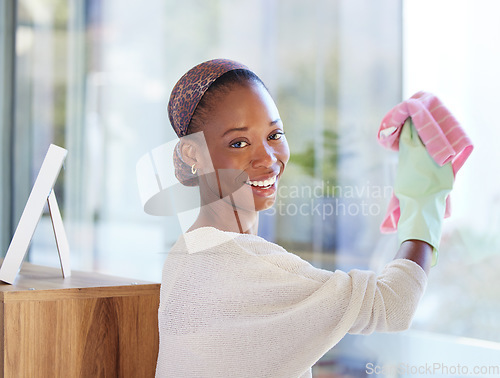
421 187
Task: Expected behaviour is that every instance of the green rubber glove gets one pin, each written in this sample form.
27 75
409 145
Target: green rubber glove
421 187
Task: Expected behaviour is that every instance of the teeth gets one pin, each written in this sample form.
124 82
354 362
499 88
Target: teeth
265 183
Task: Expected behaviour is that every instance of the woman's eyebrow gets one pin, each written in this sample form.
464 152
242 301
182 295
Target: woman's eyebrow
244 128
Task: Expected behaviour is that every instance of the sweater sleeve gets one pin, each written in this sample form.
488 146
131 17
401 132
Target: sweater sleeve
361 300
388 302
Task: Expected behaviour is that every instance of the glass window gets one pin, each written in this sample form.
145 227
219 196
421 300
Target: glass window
450 49
463 290
95 76
100 85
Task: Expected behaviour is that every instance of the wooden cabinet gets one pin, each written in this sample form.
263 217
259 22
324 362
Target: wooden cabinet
87 325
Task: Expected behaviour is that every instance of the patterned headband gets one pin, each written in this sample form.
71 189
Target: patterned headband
184 99
191 87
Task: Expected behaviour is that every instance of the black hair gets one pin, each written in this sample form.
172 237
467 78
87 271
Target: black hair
221 86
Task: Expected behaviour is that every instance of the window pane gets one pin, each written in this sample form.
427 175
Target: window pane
40 106
463 290
95 76
101 83
450 50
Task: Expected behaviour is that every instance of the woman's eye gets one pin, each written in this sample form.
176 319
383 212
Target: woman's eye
239 144
276 136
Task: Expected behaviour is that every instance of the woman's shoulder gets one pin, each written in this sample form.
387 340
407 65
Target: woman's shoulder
212 239
252 248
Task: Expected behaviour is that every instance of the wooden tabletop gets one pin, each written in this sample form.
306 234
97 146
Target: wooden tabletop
40 278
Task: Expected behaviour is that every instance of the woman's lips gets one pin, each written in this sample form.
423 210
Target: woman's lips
264 188
262 183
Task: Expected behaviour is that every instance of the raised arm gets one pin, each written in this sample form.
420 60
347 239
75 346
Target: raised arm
417 251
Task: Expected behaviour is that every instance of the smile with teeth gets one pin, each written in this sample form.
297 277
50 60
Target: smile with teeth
263 184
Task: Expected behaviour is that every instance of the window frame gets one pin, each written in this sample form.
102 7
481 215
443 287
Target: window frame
7 103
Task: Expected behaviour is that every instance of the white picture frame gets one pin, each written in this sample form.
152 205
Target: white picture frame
41 193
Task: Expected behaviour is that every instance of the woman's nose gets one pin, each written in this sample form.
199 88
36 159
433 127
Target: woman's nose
265 156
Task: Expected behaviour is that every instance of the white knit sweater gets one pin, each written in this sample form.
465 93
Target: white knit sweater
234 305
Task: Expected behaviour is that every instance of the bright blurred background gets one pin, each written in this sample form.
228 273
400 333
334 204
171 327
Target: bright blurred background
94 77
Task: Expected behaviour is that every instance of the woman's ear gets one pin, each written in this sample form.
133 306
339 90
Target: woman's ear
188 153
193 149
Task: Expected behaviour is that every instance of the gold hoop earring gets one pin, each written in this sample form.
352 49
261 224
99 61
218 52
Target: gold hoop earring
193 169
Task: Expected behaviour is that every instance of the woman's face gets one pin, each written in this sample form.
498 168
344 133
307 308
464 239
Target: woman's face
246 140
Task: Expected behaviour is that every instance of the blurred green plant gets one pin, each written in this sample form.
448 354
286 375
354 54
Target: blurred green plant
306 160
300 99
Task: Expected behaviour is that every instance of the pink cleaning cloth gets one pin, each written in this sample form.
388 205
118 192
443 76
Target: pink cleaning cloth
440 132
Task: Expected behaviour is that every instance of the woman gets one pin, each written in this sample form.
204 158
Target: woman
233 304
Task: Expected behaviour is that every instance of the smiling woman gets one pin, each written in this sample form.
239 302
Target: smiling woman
244 136
232 303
